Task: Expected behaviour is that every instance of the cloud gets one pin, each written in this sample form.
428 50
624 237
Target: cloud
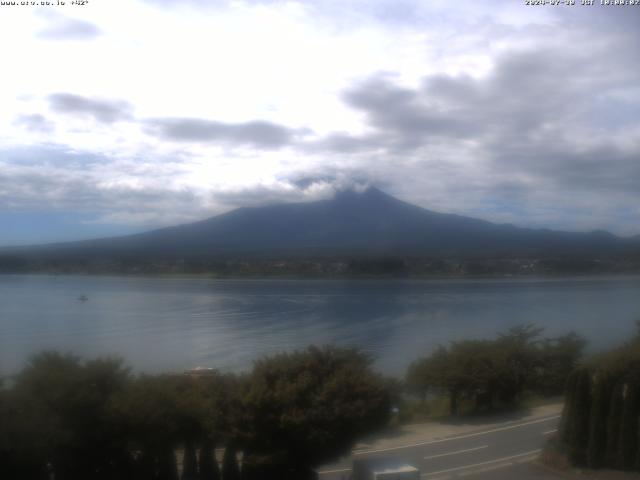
51 156
530 115
471 116
338 13
258 195
208 3
405 118
295 188
259 134
103 111
35 123
28 190
519 95
345 143
64 28
195 3
542 138
95 186
332 179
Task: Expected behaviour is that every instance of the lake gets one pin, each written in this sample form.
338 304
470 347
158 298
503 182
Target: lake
168 323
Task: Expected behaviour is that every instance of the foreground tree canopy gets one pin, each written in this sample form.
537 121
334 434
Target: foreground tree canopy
306 408
499 371
74 419
600 422
94 420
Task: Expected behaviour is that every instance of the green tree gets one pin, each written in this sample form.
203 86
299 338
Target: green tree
308 407
63 409
596 449
208 465
161 413
566 421
167 465
519 362
230 468
427 375
579 436
613 424
190 462
558 358
22 452
600 422
628 439
489 371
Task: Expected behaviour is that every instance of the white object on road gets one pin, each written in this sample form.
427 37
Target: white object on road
384 468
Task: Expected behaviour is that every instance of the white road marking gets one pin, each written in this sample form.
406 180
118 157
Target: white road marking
417 424
497 460
324 472
456 452
550 431
459 437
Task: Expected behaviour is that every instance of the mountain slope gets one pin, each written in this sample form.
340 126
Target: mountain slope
352 223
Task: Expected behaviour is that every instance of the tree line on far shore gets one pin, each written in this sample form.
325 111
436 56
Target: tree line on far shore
66 418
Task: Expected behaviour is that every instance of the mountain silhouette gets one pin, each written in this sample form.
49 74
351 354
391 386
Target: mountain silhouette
352 223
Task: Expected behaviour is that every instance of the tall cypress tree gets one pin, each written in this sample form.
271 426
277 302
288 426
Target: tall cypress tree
268 467
144 466
613 424
611 393
636 466
209 469
628 439
251 468
167 466
189 462
580 421
230 468
598 421
568 411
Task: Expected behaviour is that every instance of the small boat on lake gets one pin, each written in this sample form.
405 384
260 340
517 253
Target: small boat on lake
83 298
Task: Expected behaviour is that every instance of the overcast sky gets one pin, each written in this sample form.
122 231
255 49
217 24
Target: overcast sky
124 115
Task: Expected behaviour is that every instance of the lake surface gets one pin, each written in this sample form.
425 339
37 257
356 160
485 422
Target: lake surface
175 323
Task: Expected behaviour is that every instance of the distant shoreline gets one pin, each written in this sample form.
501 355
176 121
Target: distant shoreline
361 267
274 277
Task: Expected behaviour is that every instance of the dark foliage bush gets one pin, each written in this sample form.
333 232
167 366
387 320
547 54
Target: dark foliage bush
71 419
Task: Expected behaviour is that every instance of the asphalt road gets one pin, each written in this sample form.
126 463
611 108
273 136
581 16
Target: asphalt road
504 451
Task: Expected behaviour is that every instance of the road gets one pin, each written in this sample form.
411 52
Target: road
501 451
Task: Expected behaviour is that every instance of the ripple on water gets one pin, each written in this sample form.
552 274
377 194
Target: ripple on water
157 323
